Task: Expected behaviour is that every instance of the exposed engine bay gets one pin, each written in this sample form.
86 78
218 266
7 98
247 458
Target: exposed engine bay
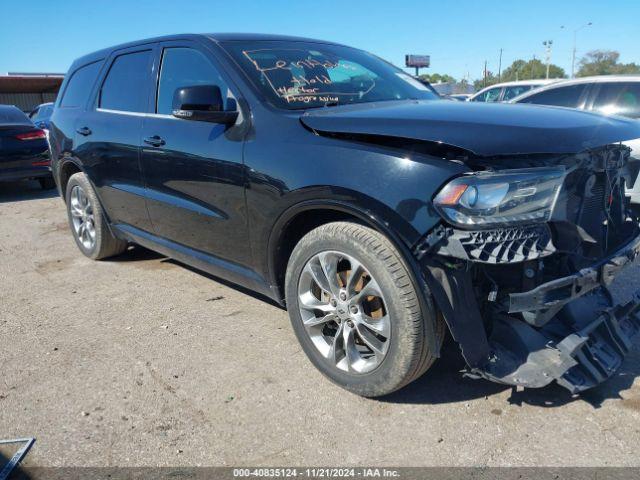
523 283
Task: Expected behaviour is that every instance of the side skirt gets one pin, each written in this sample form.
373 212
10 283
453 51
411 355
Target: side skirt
211 264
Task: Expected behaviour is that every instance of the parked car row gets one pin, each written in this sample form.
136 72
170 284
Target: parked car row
339 186
503 92
608 95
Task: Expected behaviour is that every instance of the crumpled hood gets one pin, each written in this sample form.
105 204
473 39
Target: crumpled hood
481 128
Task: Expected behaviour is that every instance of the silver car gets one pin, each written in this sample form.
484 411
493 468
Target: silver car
607 95
503 92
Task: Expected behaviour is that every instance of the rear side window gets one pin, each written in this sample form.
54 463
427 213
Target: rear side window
513 92
125 87
568 96
619 99
490 95
79 85
185 67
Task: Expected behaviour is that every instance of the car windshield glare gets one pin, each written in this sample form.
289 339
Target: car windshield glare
299 75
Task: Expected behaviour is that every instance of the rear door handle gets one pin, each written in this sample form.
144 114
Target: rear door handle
84 131
154 141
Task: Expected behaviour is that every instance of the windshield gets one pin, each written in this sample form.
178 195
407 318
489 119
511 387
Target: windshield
298 75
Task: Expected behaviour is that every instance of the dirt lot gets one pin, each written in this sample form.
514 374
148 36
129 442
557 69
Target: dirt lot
142 361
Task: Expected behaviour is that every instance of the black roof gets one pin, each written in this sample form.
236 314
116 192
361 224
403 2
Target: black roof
216 37
227 37
12 115
8 108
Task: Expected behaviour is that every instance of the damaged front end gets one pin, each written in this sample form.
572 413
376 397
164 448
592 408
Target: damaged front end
521 265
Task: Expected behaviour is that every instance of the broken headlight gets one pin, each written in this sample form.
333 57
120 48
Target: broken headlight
489 199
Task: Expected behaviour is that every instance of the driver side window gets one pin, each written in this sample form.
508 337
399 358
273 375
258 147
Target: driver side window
185 67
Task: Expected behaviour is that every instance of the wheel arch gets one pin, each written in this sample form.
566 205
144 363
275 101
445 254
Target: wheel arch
66 169
287 232
304 216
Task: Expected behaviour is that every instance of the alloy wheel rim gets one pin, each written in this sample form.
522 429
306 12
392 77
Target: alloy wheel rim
344 312
82 217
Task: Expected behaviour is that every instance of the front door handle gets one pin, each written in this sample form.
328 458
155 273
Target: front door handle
154 141
84 131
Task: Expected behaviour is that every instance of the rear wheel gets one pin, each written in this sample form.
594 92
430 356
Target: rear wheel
87 221
356 310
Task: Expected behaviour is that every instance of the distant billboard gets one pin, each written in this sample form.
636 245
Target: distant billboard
418 61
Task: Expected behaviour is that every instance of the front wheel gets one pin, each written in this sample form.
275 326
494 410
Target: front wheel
356 310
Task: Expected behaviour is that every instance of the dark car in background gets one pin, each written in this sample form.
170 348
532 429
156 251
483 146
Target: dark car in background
380 215
41 115
24 151
607 95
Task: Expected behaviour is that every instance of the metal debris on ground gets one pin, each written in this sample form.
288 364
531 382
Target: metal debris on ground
17 457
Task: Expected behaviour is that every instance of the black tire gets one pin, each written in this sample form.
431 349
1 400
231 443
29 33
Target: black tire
413 316
105 244
46 183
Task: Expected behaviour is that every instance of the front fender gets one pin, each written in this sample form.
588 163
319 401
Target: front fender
392 185
380 218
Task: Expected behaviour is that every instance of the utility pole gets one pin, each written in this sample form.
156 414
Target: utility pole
484 82
547 44
500 67
573 53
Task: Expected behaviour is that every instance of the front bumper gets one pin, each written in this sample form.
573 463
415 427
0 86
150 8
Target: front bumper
580 348
568 329
543 302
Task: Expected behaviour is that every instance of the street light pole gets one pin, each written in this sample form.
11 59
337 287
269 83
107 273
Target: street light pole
573 54
548 44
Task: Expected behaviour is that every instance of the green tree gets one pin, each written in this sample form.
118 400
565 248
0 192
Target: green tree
528 70
480 83
604 62
437 78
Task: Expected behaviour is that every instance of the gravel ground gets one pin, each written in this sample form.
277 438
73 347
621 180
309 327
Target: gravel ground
141 361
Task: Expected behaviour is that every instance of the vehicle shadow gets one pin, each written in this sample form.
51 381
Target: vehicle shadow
17 473
444 383
24 190
136 253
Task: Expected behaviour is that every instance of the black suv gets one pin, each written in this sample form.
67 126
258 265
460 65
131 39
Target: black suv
334 183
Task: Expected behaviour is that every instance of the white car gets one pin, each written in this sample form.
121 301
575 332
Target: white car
606 94
503 92
461 97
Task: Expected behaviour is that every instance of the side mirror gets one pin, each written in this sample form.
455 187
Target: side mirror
203 103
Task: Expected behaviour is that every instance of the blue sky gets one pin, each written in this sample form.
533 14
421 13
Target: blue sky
41 35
